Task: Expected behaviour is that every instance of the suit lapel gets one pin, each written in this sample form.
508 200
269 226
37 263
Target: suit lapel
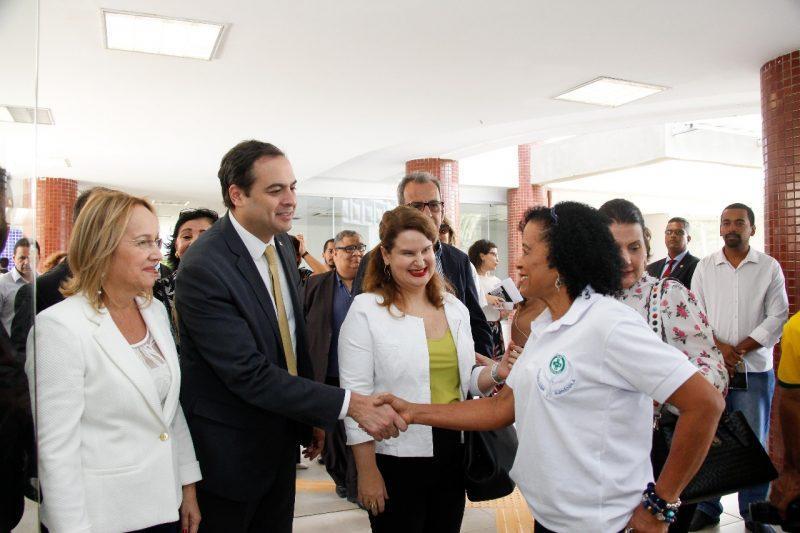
117 349
159 329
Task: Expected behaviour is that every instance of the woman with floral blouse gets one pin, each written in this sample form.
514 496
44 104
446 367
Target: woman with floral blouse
684 323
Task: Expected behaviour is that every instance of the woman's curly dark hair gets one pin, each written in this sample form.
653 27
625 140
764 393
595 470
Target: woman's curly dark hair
581 247
183 217
624 211
479 247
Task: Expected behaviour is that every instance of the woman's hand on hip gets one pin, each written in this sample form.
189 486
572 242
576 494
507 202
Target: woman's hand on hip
189 511
372 491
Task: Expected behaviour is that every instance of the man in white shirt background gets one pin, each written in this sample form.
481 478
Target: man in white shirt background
744 293
10 282
679 263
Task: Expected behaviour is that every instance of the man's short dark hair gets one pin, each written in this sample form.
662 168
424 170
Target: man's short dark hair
682 221
236 167
325 246
83 198
750 215
24 242
4 262
416 177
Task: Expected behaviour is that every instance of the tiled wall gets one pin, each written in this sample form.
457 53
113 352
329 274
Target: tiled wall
780 111
55 198
446 170
519 200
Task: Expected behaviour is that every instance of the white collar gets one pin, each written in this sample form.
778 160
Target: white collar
751 257
255 246
544 322
16 276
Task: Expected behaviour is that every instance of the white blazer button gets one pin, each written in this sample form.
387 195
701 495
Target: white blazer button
163 436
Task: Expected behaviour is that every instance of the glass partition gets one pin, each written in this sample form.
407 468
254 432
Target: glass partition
18 261
490 222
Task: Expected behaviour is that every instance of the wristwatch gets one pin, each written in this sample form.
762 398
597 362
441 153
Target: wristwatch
304 253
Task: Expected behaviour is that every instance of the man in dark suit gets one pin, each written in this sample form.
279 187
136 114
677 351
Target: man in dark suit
679 263
422 191
327 300
246 375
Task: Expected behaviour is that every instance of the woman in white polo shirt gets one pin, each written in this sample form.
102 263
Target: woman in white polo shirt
407 335
582 391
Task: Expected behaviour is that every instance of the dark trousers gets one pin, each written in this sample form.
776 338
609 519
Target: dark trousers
337 455
426 494
271 511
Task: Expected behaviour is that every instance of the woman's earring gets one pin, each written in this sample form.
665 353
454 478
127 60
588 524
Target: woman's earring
558 283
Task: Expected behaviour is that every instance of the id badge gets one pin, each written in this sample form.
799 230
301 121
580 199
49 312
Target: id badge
739 378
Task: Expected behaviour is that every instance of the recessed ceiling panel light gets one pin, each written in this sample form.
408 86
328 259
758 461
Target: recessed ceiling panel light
25 115
5 116
152 34
609 92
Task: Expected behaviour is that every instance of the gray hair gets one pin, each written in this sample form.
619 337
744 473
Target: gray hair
416 177
344 234
680 220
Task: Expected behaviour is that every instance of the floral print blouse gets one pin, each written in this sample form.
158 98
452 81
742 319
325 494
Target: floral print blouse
685 325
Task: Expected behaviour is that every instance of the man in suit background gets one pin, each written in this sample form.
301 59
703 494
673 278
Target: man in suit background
422 191
247 385
327 300
679 263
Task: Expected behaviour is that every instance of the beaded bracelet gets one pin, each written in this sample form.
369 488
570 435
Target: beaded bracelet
658 507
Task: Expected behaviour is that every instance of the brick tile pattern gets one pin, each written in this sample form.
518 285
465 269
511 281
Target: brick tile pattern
519 200
446 171
55 198
780 111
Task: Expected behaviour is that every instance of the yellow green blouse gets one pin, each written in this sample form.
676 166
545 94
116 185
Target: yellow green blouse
445 380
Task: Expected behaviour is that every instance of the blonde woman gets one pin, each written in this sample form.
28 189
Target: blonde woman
115 453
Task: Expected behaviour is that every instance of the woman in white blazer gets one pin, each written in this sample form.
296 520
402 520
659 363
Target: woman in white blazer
407 335
115 452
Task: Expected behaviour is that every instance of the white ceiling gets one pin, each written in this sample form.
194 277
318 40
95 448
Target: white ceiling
352 89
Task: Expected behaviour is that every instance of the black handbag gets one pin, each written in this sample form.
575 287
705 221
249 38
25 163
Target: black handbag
735 460
488 458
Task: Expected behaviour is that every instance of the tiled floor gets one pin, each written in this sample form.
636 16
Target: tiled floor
318 509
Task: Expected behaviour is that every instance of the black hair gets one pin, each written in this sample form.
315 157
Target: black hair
750 215
325 246
624 211
581 247
183 217
26 243
479 247
236 167
680 220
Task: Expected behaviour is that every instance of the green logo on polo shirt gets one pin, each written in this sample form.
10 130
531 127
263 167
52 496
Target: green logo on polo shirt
557 364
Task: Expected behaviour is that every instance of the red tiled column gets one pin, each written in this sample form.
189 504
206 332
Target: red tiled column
446 171
780 110
55 199
519 200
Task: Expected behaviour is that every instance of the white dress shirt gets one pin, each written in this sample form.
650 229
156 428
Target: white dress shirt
10 282
256 248
583 397
747 301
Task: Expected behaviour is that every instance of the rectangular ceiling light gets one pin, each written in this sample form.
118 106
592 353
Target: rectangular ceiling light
5 115
25 115
609 92
153 34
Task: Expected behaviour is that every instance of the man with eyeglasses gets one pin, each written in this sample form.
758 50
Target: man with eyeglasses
327 299
679 263
422 191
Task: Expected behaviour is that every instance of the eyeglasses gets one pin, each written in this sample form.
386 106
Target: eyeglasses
147 244
678 232
353 248
435 206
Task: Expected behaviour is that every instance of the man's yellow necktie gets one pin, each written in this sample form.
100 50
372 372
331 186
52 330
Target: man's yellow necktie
283 321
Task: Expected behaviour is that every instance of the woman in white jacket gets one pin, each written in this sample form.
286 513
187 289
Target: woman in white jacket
407 335
115 453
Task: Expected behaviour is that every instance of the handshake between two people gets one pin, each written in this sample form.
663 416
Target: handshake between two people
384 416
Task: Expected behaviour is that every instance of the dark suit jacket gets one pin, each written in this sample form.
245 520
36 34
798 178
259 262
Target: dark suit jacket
455 264
318 311
47 294
683 271
245 412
